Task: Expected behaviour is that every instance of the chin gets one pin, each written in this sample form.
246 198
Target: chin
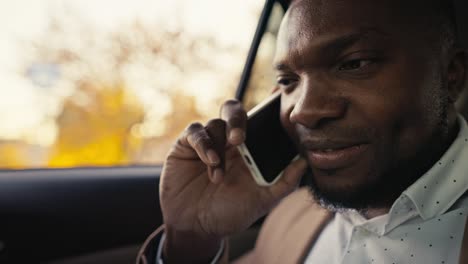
348 188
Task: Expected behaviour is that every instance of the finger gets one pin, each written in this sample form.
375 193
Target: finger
216 130
290 178
235 116
198 139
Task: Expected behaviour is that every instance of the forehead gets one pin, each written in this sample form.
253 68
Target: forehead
320 15
312 22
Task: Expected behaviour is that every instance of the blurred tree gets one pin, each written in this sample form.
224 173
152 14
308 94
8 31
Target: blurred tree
132 90
94 127
154 149
12 156
100 122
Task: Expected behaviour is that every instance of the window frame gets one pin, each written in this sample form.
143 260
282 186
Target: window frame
252 55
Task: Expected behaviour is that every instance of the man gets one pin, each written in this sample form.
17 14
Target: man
368 91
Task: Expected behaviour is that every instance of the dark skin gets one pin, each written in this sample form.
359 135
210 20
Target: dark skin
366 79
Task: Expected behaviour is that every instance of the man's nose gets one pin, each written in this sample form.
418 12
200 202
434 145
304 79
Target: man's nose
317 104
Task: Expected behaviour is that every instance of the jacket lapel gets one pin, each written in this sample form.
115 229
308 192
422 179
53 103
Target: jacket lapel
290 230
303 234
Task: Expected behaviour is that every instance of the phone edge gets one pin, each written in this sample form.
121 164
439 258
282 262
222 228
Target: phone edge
252 166
264 103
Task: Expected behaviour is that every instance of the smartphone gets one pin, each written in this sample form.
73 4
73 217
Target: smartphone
267 149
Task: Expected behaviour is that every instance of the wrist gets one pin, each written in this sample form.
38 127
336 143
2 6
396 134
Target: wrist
189 247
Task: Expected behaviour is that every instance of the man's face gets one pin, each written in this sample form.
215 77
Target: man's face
362 97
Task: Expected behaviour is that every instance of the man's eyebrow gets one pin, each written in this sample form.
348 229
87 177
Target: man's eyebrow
281 67
336 45
343 42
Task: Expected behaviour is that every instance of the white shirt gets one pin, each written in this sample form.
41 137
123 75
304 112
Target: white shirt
425 224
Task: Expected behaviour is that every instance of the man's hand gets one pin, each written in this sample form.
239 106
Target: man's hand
207 191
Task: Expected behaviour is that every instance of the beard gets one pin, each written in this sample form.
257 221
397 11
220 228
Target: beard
383 186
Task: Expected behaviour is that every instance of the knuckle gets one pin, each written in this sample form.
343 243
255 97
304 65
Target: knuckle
231 108
235 121
193 127
216 127
201 140
232 102
215 122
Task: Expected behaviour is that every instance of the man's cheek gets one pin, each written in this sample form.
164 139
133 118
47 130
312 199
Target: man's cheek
291 130
286 109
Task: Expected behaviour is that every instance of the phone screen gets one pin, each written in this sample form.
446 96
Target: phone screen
267 141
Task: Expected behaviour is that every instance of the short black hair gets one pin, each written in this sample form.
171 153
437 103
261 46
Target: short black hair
438 16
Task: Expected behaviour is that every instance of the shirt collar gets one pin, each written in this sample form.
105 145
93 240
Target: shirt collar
431 195
440 187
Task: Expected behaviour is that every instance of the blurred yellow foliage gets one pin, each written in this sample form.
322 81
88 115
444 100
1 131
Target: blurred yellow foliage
109 111
12 156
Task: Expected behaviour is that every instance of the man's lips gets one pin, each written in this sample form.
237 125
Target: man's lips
334 155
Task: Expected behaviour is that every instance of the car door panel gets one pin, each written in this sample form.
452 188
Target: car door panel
51 214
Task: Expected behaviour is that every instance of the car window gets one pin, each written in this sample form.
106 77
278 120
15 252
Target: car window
262 79
105 83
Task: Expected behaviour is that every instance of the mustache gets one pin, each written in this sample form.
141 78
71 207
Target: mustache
332 137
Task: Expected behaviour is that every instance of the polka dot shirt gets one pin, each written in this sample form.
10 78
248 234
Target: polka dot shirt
425 224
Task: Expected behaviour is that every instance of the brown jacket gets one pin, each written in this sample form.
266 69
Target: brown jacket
287 235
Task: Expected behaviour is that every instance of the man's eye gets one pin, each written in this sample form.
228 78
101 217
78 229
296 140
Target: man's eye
285 81
354 65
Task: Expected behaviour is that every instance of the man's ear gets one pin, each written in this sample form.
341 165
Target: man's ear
457 74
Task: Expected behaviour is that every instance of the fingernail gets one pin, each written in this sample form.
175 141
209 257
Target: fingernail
217 175
212 157
236 135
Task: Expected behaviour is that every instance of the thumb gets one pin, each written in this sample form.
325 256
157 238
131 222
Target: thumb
290 178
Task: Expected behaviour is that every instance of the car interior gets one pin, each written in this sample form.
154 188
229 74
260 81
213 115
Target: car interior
103 214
